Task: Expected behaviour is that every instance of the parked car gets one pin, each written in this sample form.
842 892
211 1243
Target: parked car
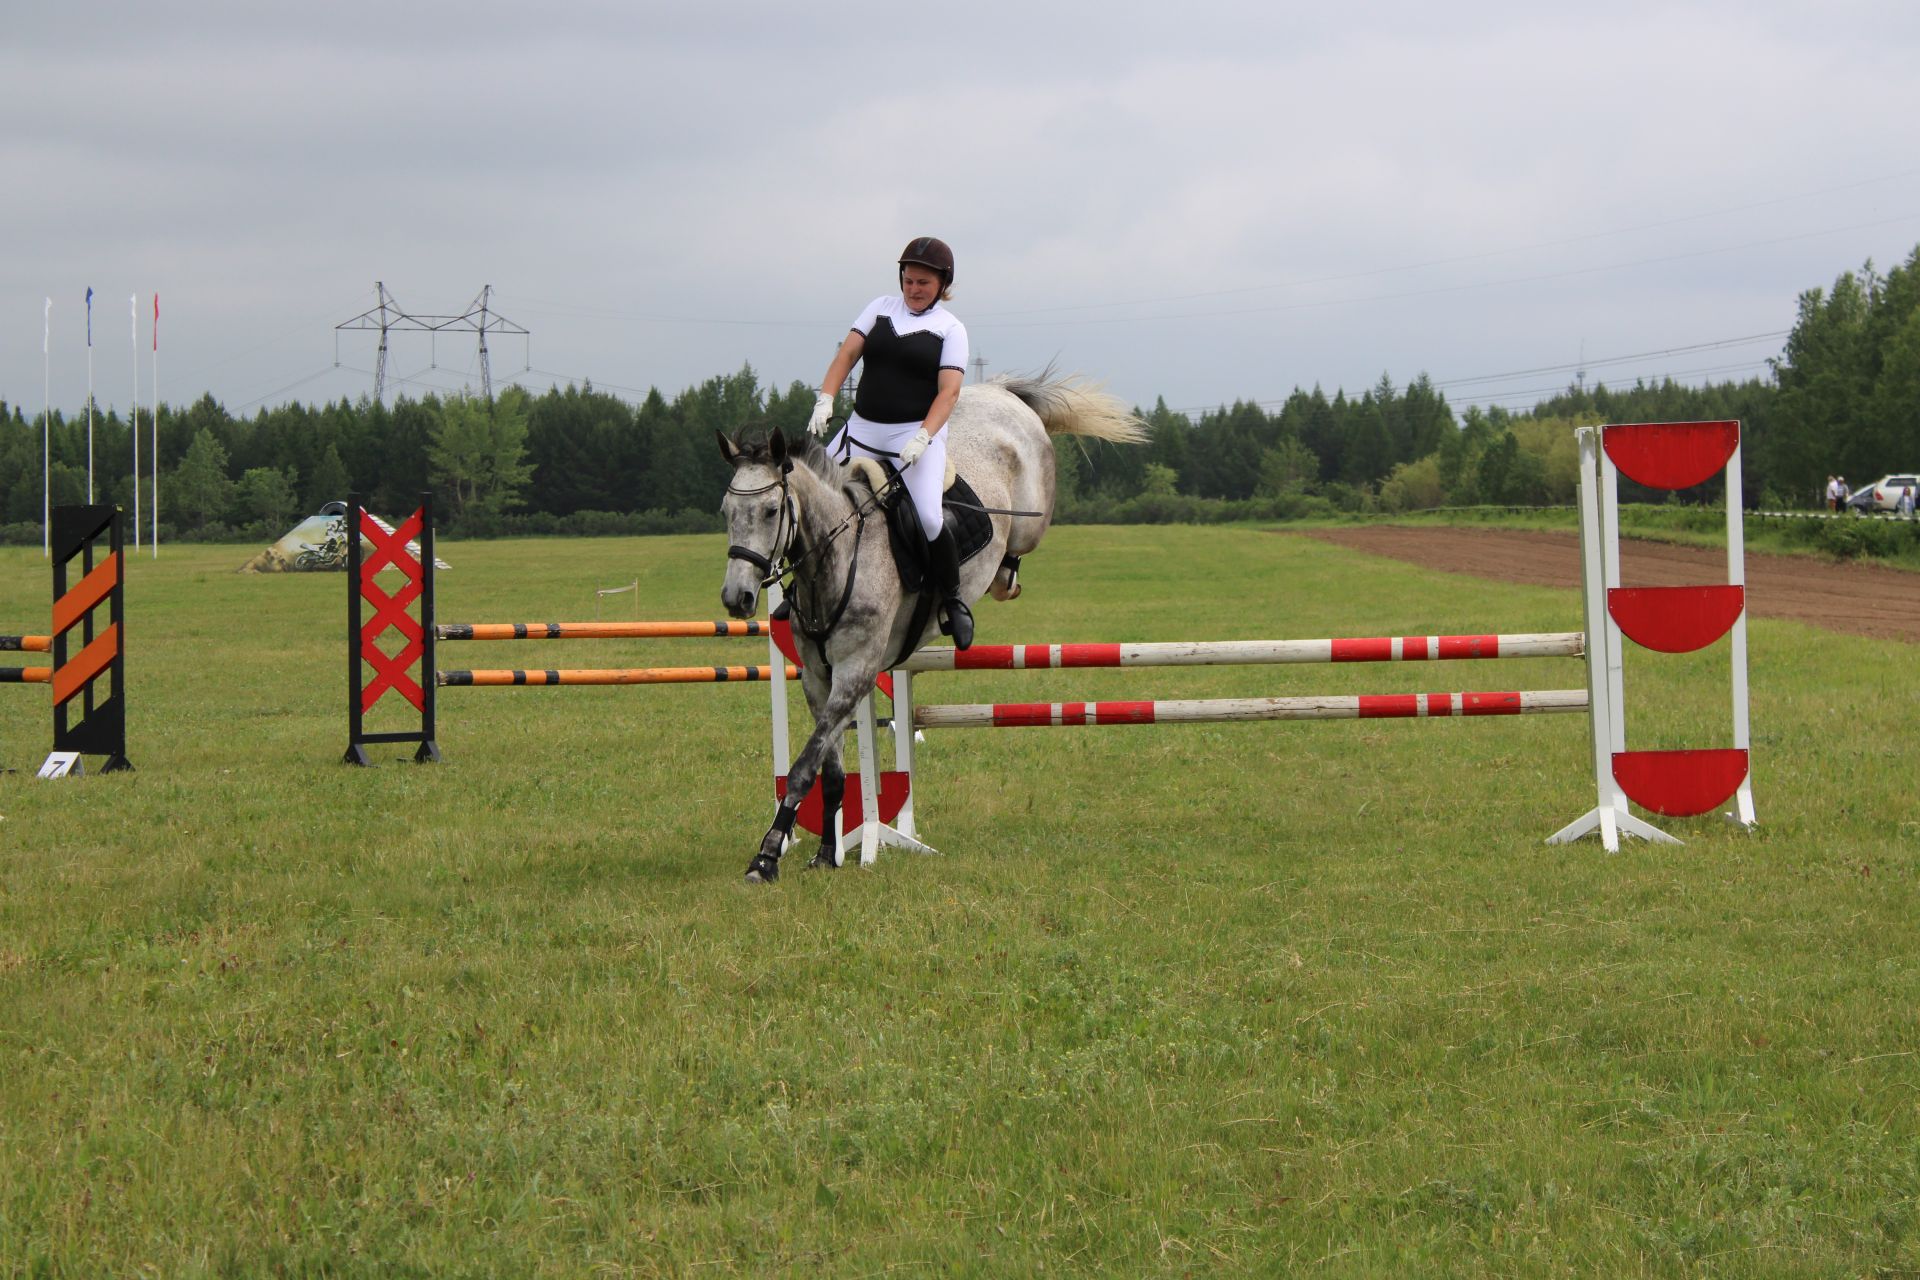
1883 494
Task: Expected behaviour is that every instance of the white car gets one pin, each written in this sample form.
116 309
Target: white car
1883 494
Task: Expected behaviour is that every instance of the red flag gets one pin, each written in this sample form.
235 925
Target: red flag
156 322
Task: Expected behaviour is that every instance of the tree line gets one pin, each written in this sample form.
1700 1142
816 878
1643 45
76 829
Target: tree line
1844 397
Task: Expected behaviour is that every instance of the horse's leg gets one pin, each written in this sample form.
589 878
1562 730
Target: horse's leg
830 726
833 775
833 789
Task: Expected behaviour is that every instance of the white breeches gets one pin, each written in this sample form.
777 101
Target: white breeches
924 479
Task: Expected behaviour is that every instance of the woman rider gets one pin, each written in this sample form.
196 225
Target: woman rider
913 353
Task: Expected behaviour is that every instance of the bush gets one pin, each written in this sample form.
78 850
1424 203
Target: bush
217 531
582 524
1348 498
1852 538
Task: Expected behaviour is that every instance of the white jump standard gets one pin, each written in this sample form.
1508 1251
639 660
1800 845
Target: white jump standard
1670 455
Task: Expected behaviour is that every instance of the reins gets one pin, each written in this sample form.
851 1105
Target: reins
779 564
893 477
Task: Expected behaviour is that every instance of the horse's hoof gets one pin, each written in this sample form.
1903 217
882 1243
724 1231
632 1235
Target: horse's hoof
763 870
822 861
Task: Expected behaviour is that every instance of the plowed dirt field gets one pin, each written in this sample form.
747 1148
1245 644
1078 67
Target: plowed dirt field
1864 599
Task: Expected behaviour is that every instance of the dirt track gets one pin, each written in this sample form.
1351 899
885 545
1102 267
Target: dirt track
1864 599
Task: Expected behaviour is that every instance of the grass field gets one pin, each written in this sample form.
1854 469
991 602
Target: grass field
1216 999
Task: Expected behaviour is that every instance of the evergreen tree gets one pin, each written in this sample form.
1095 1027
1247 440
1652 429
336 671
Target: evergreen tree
1286 469
477 452
199 490
329 482
1826 377
269 495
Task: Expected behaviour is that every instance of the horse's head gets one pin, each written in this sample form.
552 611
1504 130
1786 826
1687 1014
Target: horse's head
762 517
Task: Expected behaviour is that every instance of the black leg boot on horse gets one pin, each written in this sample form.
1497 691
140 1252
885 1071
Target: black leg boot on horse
943 558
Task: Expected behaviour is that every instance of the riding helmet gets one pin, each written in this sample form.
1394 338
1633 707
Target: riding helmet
932 254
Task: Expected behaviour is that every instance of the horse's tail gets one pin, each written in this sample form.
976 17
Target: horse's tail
1076 406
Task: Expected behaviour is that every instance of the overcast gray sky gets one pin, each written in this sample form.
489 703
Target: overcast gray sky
1207 200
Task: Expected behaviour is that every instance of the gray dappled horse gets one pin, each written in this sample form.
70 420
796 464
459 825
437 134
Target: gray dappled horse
792 506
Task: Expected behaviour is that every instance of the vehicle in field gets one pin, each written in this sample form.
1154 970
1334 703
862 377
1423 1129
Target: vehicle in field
1883 494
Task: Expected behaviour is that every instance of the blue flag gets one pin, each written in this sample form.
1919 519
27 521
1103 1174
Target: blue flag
89 315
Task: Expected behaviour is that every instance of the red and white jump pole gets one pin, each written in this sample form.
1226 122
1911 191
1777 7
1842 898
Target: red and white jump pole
886 812
1238 653
1389 706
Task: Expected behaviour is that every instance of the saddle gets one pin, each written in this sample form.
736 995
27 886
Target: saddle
962 518
961 510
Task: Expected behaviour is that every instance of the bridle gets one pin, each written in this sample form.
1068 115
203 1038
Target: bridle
775 564
779 562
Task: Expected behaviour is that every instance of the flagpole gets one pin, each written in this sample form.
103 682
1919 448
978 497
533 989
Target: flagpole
46 437
133 339
156 426
89 395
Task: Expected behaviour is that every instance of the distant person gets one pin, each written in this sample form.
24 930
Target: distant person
1841 483
1905 506
1833 493
913 357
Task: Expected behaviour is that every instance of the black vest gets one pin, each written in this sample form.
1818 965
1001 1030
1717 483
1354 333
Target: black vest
899 376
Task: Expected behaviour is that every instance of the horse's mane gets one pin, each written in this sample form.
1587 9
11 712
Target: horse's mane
757 446
813 455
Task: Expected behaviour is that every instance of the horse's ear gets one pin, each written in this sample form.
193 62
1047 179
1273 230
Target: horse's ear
728 449
777 447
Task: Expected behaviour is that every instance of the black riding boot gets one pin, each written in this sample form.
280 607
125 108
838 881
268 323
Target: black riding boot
943 556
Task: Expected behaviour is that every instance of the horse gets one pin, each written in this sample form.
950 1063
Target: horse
793 509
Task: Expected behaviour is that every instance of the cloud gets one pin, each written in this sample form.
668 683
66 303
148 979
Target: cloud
1204 201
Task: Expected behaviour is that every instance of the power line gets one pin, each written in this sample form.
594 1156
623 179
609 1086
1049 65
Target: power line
1447 262
1439 290
1610 360
1511 398
1663 353
280 391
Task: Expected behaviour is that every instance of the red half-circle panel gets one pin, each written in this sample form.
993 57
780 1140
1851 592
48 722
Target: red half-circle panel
1671 455
893 794
1675 619
782 629
1680 784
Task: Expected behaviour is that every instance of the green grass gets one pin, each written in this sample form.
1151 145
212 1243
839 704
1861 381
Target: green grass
1211 999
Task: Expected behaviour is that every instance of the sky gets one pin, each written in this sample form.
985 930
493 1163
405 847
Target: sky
1202 202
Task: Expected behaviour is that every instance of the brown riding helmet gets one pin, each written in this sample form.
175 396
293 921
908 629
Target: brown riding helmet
932 254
